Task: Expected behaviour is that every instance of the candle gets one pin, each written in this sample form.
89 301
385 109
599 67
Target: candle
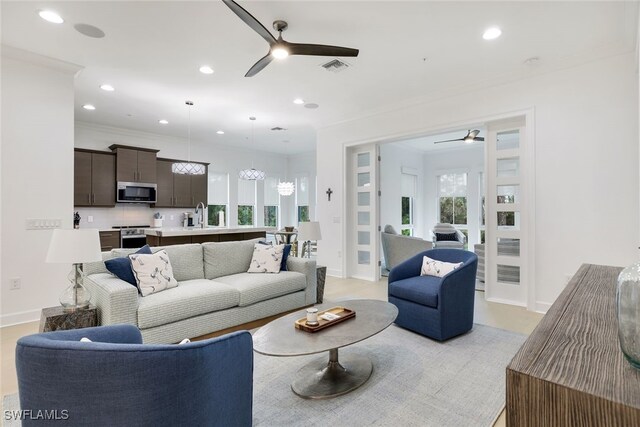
221 218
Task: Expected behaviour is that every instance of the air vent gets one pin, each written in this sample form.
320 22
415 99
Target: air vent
278 128
335 66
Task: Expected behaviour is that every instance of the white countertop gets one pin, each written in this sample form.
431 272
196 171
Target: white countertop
189 231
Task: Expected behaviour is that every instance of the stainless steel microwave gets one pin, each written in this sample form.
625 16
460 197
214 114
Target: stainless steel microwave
136 192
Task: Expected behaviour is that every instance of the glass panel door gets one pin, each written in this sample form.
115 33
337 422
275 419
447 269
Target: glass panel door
363 223
506 221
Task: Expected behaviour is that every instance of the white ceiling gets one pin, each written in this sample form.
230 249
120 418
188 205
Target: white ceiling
152 52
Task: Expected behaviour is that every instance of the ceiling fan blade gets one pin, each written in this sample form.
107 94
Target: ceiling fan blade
250 21
258 66
478 138
473 133
449 140
320 50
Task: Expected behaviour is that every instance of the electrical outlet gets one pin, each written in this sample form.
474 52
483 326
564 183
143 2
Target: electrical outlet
16 284
90 218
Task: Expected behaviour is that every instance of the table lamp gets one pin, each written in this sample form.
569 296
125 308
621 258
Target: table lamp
74 247
308 231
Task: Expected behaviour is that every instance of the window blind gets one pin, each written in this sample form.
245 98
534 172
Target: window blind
246 192
271 196
302 191
408 185
218 188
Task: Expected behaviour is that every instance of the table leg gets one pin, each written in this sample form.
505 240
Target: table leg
321 380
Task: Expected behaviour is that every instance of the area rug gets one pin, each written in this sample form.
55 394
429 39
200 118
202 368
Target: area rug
416 382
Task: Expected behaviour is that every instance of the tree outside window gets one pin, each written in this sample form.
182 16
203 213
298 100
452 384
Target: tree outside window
407 216
271 216
303 214
453 198
245 215
214 214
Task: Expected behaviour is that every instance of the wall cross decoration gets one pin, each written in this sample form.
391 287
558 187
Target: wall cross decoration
329 193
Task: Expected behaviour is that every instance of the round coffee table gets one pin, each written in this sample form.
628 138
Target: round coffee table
320 379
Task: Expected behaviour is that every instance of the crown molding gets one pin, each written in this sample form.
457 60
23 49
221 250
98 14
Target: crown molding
12 52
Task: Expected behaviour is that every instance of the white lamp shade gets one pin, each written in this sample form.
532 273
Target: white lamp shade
309 231
74 246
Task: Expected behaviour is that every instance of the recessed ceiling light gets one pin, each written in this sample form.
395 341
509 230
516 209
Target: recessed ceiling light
311 105
491 33
298 101
88 107
107 88
205 69
51 16
220 132
163 122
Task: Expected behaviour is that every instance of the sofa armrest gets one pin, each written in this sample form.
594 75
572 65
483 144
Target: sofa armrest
117 300
307 267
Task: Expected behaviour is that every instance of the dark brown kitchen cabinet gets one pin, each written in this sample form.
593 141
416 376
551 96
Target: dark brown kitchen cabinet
109 240
179 191
94 178
199 189
135 164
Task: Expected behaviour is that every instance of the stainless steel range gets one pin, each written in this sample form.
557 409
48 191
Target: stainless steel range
132 236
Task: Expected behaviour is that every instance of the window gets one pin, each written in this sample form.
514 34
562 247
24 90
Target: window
271 201
453 198
246 202
302 198
408 191
218 199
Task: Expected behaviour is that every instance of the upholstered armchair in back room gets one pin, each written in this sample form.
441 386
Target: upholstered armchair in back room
397 248
115 380
436 307
447 236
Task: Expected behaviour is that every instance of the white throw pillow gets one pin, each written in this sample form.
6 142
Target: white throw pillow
266 259
153 272
432 267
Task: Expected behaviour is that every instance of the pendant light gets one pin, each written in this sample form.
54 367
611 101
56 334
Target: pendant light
252 174
188 167
286 188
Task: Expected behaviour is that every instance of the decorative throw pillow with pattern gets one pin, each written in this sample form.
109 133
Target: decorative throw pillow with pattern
266 258
153 272
432 267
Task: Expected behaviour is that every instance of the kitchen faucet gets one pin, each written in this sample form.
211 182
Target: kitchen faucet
201 223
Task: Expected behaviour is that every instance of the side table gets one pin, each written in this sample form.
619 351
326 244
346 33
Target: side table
321 273
55 318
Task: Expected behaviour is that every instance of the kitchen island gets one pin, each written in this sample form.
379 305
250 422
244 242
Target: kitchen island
180 235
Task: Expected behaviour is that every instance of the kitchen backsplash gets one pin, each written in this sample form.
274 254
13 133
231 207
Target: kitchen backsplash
129 214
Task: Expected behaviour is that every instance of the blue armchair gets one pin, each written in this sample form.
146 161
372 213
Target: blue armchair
118 381
437 307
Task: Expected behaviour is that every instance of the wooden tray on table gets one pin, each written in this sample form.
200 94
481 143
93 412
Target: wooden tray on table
343 312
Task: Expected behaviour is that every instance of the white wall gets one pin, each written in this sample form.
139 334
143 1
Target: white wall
394 158
222 159
469 160
586 155
36 178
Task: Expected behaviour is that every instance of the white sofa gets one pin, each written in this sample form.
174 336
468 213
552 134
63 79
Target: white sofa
214 291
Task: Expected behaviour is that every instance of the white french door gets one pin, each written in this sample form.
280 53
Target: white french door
362 225
507 222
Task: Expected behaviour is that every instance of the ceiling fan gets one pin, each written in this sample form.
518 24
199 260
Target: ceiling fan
279 48
472 136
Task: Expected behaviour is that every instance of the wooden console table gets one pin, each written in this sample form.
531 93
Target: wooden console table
571 371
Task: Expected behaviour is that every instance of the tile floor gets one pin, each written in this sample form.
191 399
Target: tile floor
502 316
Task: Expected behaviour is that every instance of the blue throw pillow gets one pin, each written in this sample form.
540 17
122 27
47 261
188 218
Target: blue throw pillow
121 267
446 237
285 254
